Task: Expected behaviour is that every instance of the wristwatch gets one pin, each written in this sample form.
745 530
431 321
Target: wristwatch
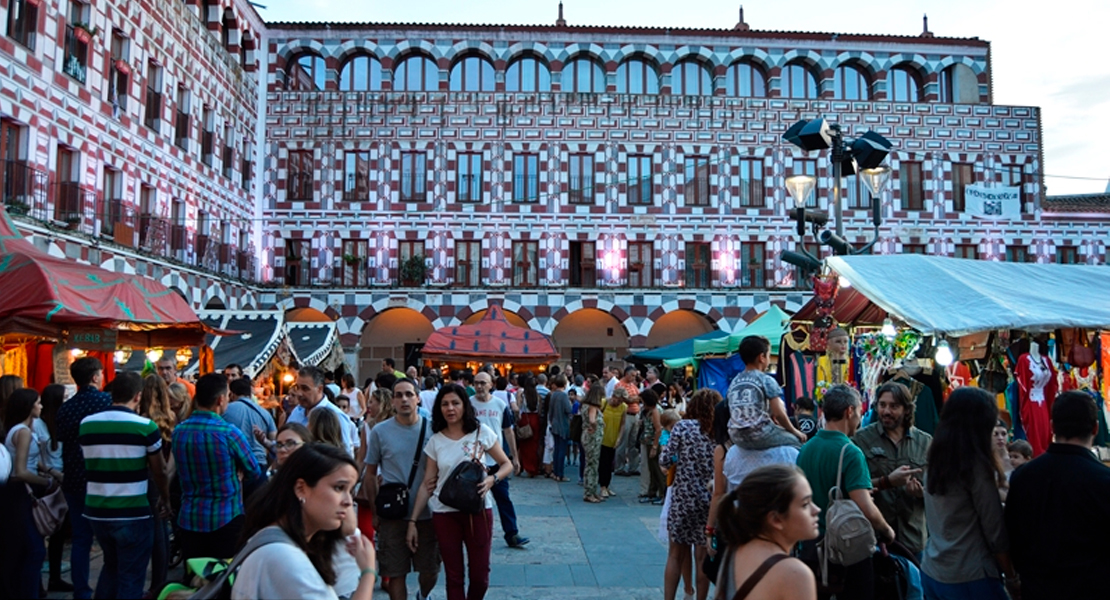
495 479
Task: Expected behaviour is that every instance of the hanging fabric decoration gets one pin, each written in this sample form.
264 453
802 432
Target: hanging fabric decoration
825 288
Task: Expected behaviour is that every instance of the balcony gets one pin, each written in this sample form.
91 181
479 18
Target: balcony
581 190
117 221
76 59
24 189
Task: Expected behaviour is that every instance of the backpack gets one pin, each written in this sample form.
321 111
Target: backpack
849 537
747 403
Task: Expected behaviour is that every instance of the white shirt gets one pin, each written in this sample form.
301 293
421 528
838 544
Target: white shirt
610 386
51 458
350 432
740 462
448 453
32 449
280 570
491 413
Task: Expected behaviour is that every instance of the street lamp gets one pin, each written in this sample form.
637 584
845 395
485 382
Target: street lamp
864 154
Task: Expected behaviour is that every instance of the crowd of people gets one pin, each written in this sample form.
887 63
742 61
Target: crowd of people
337 488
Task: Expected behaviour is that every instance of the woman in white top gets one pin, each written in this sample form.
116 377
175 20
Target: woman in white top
25 548
308 500
459 436
357 401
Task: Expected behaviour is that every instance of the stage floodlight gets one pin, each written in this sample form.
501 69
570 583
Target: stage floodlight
791 134
816 135
869 150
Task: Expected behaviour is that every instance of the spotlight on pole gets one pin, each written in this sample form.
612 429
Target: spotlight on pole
870 149
837 243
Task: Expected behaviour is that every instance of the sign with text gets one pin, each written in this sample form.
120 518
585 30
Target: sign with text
992 202
62 358
91 338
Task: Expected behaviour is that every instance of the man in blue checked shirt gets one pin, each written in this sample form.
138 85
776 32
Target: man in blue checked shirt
211 454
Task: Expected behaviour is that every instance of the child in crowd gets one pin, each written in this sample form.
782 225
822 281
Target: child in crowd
1020 452
757 414
803 417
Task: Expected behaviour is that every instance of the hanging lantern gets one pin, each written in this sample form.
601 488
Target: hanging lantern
154 354
183 355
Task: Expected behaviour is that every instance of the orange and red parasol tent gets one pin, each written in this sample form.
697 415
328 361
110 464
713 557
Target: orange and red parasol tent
492 339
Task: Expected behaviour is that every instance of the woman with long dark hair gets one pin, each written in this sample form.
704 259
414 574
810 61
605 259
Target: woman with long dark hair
24 548
528 399
308 501
46 427
458 437
760 522
967 552
690 449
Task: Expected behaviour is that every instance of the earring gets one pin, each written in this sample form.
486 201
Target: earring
301 499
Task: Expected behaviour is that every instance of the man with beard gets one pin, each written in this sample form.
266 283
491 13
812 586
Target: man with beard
896 455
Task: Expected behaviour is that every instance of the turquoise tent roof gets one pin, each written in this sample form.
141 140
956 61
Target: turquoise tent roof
676 350
771 325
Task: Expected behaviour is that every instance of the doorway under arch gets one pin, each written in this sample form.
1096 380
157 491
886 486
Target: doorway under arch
590 339
397 333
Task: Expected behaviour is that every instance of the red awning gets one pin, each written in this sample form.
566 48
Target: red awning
849 308
44 295
492 339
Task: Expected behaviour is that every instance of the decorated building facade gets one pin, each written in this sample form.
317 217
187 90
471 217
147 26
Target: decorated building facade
614 187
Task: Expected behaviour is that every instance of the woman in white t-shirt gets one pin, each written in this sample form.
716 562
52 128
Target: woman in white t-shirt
459 437
358 402
307 502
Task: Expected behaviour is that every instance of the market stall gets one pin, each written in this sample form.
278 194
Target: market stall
50 303
491 340
1022 330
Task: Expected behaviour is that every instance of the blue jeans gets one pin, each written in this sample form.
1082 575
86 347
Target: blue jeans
82 546
127 546
505 508
980 589
559 458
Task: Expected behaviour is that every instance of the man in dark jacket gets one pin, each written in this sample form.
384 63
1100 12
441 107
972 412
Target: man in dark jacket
1058 510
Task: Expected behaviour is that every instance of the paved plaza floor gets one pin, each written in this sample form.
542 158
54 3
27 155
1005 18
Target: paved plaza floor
579 551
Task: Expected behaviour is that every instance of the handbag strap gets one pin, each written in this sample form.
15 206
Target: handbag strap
416 457
262 538
757 576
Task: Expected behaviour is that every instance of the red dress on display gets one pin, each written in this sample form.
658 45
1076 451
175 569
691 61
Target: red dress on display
1037 389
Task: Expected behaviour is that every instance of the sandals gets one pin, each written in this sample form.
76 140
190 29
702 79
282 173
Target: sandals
592 499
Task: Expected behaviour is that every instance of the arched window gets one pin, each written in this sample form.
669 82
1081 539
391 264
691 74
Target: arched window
528 74
637 76
798 81
903 85
361 73
416 73
958 83
850 83
584 74
691 78
472 74
745 80
306 72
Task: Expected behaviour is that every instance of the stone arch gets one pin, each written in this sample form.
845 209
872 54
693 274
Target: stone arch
215 293
915 62
295 47
471 48
863 60
384 304
631 327
352 48
111 265
976 67
521 49
698 53
644 51
712 314
573 51
406 47
398 326
677 325
177 283
809 58
291 303
755 56
592 328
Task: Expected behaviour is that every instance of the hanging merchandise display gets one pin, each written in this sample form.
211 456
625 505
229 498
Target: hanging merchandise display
825 288
878 354
1037 388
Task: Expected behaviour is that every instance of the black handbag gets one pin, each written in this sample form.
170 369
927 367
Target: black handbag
460 491
576 429
392 501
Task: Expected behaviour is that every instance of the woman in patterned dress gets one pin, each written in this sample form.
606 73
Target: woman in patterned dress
691 450
593 429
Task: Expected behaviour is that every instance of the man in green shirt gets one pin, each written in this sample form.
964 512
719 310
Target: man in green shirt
819 458
896 454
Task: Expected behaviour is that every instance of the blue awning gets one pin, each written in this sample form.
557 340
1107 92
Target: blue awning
682 349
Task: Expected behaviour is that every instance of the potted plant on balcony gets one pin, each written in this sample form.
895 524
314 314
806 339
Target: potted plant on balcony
413 271
84 32
17 207
73 221
352 260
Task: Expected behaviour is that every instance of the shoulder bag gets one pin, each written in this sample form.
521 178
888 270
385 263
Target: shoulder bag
392 501
460 491
48 511
849 536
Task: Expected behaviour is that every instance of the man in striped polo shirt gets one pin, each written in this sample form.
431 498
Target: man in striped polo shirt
119 447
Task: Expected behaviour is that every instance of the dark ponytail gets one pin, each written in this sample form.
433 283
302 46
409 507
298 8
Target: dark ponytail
742 514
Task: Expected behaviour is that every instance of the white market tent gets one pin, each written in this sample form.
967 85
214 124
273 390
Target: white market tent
956 297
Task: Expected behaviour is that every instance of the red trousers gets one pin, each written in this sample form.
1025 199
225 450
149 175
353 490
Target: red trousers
453 530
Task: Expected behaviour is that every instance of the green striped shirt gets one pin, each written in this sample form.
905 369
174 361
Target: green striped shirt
116 443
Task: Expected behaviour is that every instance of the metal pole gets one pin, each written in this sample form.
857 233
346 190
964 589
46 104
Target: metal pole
838 170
